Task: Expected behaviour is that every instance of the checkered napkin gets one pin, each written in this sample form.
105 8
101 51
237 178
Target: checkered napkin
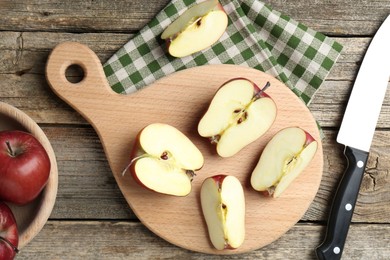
256 36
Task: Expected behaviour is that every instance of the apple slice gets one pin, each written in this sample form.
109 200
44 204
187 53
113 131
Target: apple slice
239 113
223 205
285 156
196 29
164 160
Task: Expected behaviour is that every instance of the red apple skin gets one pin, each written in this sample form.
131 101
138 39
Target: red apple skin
260 92
136 151
309 138
8 233
24 174
219 179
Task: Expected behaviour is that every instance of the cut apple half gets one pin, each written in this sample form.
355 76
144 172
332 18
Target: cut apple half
285 156
223 206
196 29
239 113
165 160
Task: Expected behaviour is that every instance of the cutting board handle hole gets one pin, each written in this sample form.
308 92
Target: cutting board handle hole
74 73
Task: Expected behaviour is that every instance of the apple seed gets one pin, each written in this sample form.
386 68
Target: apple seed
199 22
164 156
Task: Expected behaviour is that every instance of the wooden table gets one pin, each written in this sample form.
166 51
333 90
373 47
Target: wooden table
91 219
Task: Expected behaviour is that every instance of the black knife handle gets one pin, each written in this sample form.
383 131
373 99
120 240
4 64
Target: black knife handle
343 205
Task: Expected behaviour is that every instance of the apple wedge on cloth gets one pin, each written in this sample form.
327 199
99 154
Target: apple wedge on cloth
223 206
285 156
239 113
196 29
165 160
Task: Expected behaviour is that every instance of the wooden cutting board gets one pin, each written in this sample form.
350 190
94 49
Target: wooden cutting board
180 100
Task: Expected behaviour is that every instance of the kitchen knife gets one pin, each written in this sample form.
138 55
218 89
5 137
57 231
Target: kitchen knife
356 133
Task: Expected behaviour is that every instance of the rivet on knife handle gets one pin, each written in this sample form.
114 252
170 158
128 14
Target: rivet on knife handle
343 205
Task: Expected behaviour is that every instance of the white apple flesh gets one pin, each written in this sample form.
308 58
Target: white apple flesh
283 159
239 113
196 29
223 206
164 160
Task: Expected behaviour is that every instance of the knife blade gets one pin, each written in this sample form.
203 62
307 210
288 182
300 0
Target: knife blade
356 133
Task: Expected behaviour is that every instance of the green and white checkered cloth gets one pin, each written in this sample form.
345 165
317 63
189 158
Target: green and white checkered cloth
257 36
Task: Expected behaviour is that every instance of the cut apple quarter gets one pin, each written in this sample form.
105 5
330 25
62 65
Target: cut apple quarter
223 206
196 29
285 156
239 113
165 160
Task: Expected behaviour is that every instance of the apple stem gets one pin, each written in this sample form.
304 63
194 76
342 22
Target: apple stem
10 244
131 162
267 85
214 139
10 151
191 174
271 190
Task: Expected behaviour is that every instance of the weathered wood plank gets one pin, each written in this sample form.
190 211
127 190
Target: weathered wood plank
328 105
78 16
336 17
330 17
27 52
87 188
124 240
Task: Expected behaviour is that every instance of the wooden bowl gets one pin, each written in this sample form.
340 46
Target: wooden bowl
31 217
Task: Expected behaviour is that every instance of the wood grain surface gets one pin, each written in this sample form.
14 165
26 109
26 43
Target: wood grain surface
91 219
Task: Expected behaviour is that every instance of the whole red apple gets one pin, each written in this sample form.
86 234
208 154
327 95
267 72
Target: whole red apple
24 167
9 238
